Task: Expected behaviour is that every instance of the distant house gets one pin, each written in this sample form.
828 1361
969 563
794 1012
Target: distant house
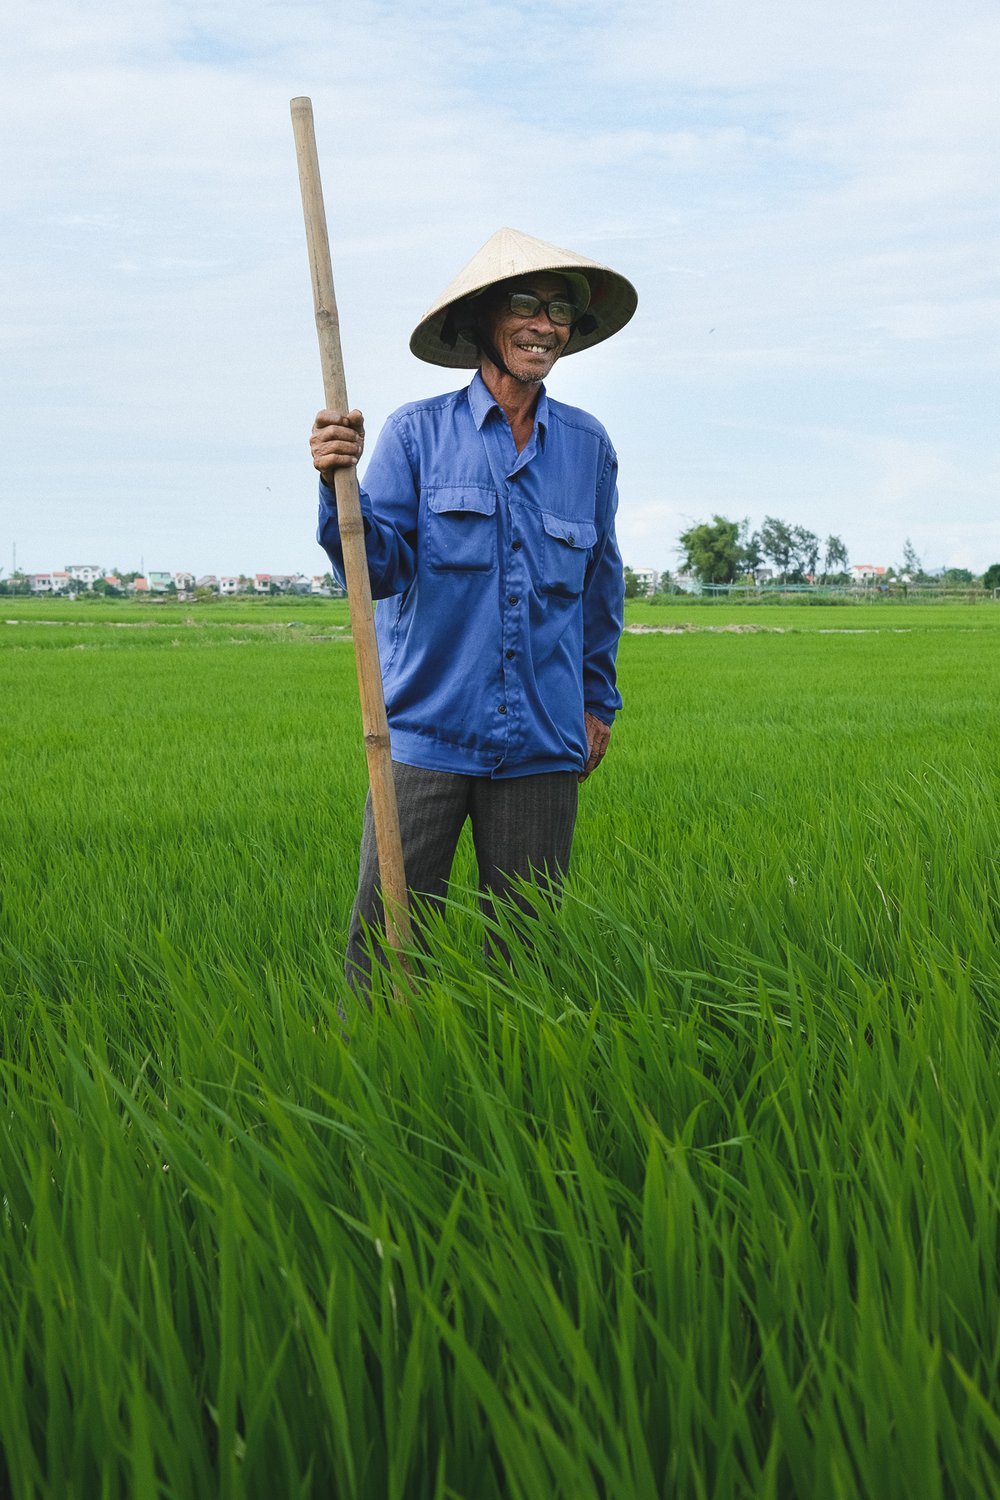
333 589
867 573
85 573
687 583
282 583
81 576
647 579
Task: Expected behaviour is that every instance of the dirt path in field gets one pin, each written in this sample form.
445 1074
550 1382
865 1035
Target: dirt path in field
689 629
706 630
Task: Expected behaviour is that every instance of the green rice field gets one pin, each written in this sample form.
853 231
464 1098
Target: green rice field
701 1198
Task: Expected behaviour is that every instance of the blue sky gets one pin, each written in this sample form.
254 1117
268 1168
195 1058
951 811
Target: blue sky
805 196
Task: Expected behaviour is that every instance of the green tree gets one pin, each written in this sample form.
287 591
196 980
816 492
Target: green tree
631 585
991 578
713 550
806 556
778 545
957 576
794 550
753 557
911 563
835 559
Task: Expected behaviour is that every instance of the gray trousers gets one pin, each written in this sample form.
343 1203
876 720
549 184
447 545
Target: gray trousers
520 828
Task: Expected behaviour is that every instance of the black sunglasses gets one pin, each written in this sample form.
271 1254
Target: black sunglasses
557 310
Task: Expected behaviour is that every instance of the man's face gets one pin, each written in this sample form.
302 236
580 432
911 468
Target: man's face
528 346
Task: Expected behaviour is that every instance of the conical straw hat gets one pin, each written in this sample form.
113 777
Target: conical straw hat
511 253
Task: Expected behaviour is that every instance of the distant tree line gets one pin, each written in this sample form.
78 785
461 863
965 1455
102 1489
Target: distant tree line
716 551
726 551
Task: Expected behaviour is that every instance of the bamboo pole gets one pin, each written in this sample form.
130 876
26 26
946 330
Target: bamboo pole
374 724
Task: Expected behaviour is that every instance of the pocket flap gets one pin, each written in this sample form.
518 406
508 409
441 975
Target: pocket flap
479 502
564 529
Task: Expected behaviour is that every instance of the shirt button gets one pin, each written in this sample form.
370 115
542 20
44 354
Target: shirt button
502 709
571 539
509 655
513 599
516 546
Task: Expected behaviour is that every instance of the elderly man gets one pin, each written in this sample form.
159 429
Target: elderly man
489 518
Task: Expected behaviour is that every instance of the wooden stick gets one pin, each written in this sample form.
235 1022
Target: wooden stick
352 532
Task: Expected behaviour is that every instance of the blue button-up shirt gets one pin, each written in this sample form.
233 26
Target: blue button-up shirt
499 582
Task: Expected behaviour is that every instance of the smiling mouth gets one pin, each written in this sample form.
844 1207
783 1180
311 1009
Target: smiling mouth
534 348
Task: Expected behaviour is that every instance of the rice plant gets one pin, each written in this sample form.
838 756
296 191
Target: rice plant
699 1197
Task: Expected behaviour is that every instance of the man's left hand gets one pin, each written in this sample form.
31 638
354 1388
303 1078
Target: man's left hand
598 739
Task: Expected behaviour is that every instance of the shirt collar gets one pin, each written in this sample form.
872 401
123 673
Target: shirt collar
482 403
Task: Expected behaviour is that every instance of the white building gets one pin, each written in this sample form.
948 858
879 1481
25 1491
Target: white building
647 579
687 583
85 573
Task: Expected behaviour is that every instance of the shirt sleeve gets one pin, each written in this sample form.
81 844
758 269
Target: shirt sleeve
603 604
389 503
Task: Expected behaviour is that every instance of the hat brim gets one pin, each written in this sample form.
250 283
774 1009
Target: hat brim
509 254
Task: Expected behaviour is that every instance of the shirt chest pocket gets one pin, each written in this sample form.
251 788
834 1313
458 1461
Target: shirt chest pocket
460 530
566 549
